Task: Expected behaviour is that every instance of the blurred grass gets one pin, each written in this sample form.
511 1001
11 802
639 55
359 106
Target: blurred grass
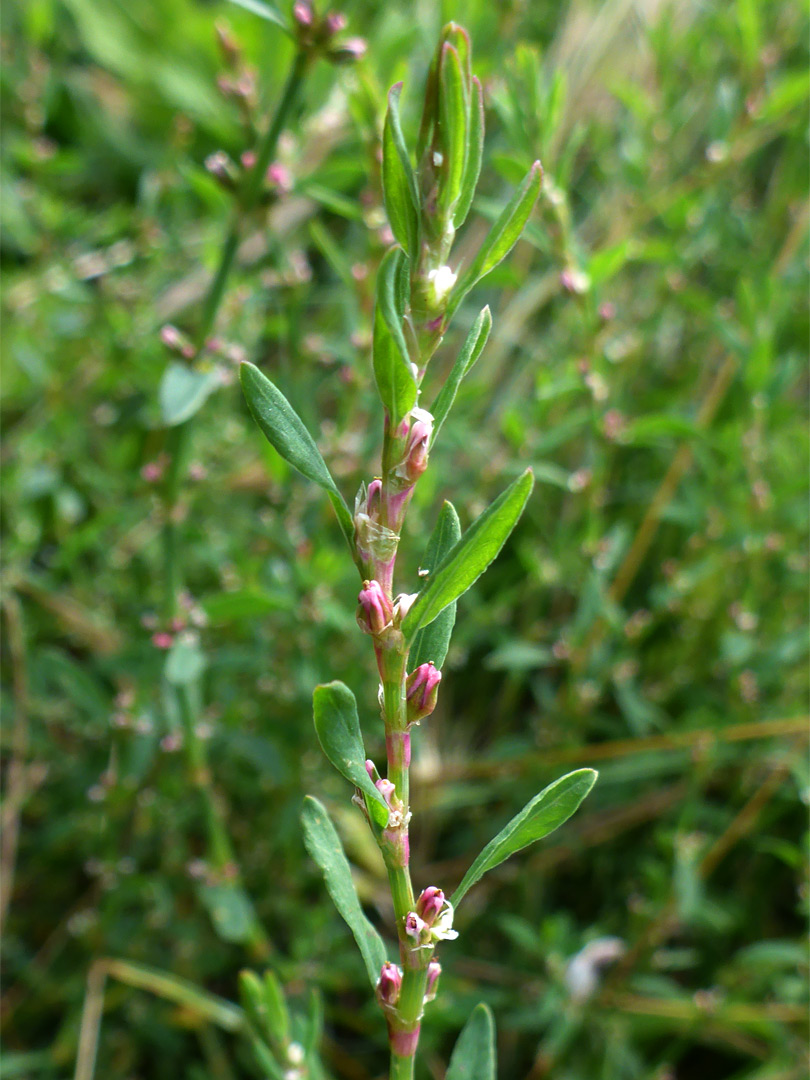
650 614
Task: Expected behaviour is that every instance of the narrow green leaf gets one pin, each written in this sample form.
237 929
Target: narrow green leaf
458 37
338 729
453 119
182 992
400 192
278 1016
265 11
183 391
230 909
392 372
546 812
475 149
323 844
474 1053
470 557
470 351
285 431
503 235
431 642
185 663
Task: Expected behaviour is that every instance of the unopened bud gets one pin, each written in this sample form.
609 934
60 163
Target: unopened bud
279 176
415 458
303 13
335 21
375 608
422 691
389 984
176 340
228 44
223 170
431 987
429 904
374 499
349 51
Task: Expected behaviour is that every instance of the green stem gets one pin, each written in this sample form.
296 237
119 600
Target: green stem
196 760
248 196
401 1067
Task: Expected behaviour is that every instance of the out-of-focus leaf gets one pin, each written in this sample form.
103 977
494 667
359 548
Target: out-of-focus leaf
185 662
474 1053
264 10
230 909
184 391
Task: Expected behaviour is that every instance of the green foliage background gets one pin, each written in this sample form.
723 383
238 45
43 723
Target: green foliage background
648 616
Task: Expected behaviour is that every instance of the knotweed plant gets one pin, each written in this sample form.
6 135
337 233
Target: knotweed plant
420 287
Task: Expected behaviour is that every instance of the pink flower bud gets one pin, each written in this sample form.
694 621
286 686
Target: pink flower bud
176 340
279 176
374 500
375 608
429 904
335 21
415 459
431 987
389 984
422 691
349 51
302 13
162 640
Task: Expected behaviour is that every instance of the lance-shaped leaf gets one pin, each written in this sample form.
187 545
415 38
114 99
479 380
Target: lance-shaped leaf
284 429
323 844
475 149
338 728
453 119
183 392
470 557
474 1053
503 235
400 192
546 812
431 642
265 11
470 351
392 371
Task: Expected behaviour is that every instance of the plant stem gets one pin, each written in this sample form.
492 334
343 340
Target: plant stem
178 445
248 196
